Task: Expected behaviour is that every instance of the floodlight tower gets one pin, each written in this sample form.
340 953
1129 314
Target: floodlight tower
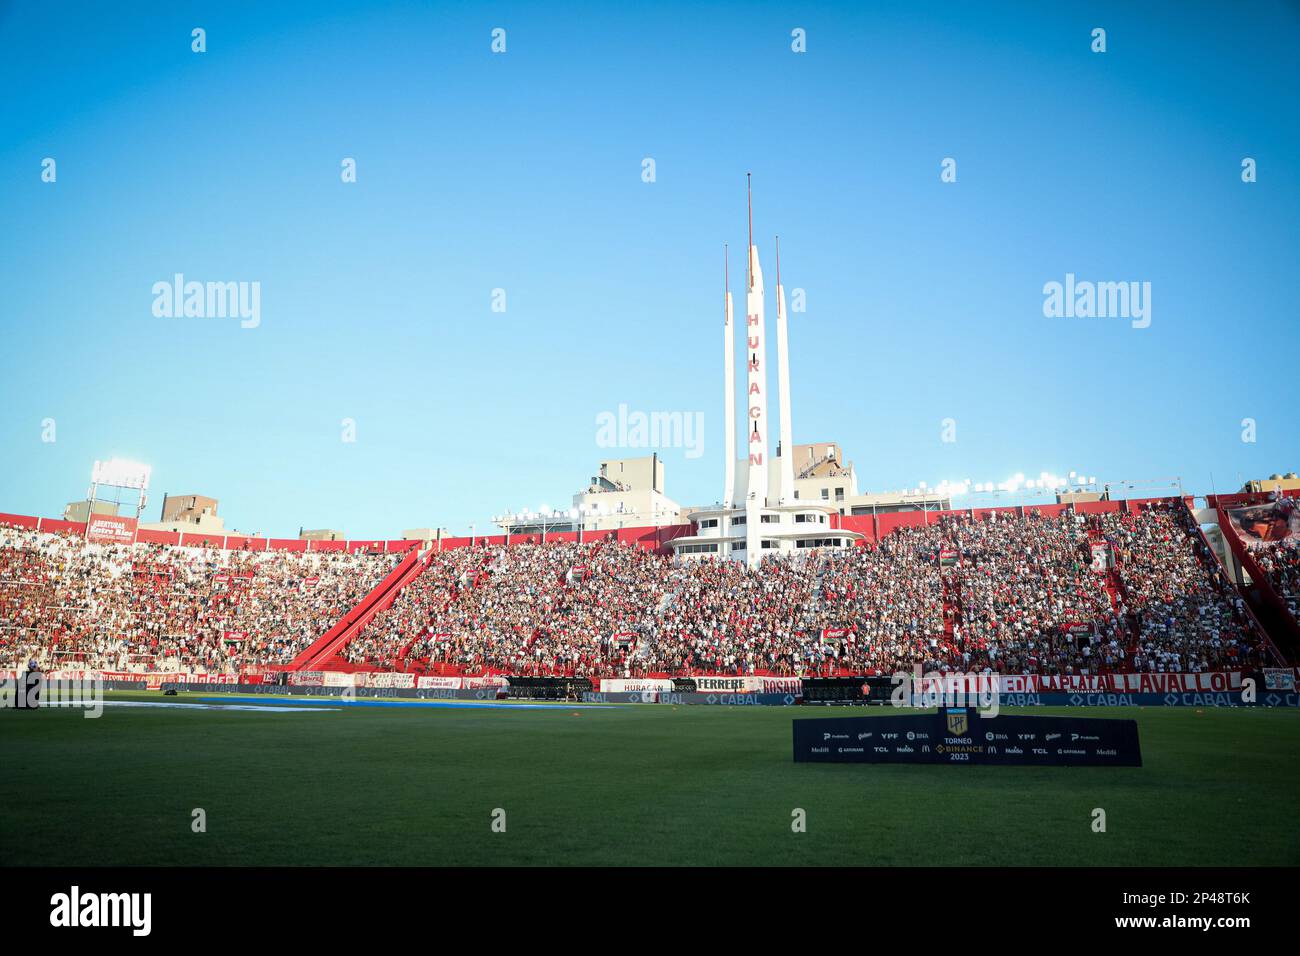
123 475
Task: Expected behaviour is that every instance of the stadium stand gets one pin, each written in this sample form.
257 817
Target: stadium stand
1281 561
1006 591
67 602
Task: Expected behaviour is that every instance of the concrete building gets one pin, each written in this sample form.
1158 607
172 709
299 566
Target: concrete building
427 535
820 475
192 514
626 493
188 508
1274 482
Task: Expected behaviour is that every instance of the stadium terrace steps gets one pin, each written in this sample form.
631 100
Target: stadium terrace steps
325 653
1114 585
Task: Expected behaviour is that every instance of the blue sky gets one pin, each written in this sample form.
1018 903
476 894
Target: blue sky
522 171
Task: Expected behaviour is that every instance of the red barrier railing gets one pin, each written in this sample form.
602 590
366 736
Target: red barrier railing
324 645
1260 630
1258 576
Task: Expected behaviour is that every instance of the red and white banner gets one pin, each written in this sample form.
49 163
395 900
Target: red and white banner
1100 556
490 680
748 685
1082 683
1141 683
390 679
110 529
441 683
340 679
153 679
781 685
634 685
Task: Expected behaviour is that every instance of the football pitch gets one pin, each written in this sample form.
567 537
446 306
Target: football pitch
619 784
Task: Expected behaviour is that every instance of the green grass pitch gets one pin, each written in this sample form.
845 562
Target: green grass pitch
637 784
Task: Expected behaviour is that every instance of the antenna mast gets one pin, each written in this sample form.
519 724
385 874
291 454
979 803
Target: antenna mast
749 204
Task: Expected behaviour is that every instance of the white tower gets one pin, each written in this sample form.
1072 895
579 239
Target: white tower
729 381
756 401
783 388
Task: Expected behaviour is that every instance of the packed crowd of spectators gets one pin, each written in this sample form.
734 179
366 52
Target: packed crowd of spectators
528 608
1028 598
1001 593
70 604
1281 562
1188 616
1010 594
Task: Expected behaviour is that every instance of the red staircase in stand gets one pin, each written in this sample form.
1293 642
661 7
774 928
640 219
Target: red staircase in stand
951 596
325 652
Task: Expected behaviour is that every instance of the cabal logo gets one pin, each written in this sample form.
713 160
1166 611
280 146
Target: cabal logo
102 909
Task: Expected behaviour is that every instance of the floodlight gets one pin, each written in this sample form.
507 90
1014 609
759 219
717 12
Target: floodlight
120 473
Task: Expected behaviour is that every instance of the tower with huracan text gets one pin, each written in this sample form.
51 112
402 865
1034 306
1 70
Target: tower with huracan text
765 522
756 392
